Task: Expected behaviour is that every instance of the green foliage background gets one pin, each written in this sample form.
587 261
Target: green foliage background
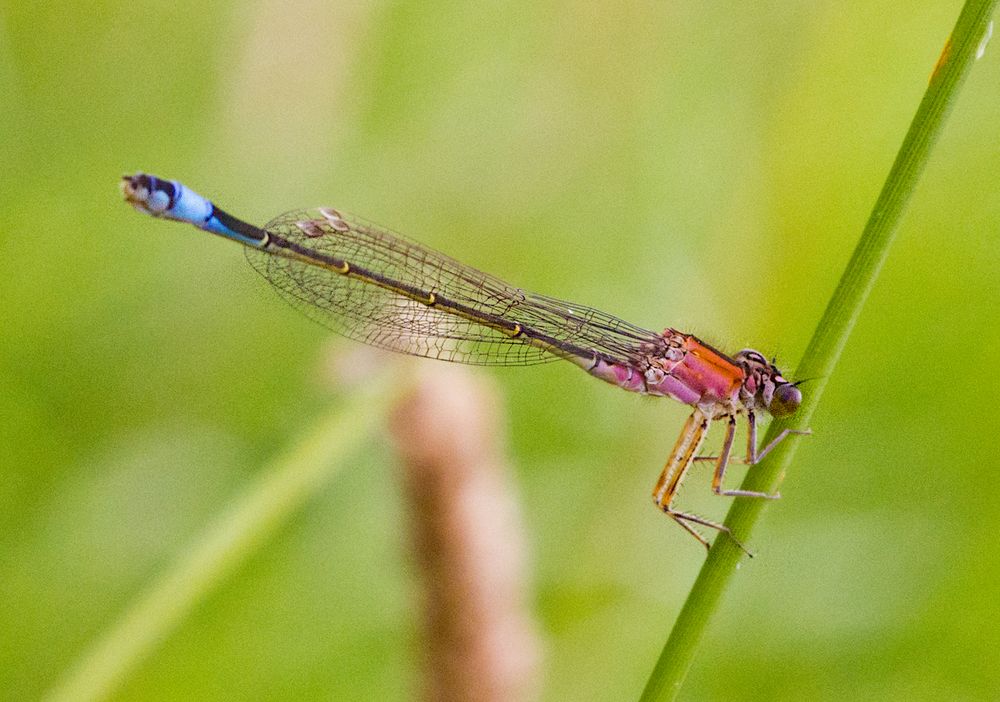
703 166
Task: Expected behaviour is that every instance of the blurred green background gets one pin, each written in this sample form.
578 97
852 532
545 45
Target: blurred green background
707 166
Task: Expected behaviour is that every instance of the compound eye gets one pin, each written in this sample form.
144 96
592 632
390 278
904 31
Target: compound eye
786 400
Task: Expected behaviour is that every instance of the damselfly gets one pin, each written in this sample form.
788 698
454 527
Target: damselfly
382 289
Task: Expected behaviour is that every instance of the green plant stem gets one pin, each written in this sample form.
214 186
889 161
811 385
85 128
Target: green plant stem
285 484
826 345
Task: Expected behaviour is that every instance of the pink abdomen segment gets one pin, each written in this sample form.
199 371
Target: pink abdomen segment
628 377
701 375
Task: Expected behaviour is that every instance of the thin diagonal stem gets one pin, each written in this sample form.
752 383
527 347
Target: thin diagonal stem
827 342
285 484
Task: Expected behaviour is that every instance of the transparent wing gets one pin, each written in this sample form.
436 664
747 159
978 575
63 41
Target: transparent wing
381 316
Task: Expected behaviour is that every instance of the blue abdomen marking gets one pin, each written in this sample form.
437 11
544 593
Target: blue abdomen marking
171 200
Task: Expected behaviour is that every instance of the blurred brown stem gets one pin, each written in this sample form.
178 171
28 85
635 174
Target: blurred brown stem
479 641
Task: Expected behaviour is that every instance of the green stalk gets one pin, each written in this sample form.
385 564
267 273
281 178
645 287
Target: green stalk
285 484
826 345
